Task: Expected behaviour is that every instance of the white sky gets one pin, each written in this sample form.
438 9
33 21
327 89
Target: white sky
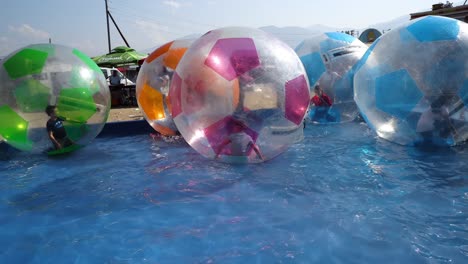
147 23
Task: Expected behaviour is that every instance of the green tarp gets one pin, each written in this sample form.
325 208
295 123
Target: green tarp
119 56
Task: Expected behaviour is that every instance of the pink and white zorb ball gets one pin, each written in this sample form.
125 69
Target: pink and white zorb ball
239 95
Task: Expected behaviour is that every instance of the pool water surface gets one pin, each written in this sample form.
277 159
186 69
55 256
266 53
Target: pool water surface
341 195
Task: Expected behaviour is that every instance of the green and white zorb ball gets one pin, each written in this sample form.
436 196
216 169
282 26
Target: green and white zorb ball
40 75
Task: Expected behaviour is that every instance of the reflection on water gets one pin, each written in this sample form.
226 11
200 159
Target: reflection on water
340 194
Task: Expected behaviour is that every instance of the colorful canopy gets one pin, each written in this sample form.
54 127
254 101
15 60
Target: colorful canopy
119 56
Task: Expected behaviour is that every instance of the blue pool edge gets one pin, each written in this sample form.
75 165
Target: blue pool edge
111 129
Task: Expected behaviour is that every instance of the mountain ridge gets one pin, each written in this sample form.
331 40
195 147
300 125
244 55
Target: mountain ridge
293 35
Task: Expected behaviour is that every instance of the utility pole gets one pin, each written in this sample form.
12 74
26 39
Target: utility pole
108 14
108 31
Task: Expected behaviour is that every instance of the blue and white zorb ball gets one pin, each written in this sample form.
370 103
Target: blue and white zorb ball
328 59
411 86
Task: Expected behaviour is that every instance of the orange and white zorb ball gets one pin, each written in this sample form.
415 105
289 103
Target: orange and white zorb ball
239 95
153 84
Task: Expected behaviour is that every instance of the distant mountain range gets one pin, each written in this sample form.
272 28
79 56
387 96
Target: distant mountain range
294 35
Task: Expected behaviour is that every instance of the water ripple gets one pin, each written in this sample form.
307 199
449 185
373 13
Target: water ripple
340 196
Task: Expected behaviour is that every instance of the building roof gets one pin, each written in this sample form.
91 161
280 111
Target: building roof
458 12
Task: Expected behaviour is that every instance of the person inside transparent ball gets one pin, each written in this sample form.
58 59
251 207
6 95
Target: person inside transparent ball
239 141
434 124
55 129
322 103
165 80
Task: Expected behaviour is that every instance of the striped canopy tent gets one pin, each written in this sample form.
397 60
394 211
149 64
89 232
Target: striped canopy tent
119 57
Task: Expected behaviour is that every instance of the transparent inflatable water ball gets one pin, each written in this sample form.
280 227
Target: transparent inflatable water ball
412 84
44 80
329 59
152 88
239 95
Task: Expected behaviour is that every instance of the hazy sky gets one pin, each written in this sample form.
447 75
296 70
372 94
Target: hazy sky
147 23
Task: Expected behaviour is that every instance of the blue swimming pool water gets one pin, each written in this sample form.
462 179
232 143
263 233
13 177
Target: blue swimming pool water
339 196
